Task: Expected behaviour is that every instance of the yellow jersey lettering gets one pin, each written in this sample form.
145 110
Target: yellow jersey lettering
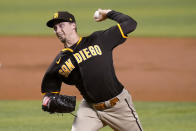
65 70
78 58
82 54
92 50
98 50
69 65
87 53
61 72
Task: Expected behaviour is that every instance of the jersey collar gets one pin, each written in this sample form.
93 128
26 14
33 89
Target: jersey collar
73 46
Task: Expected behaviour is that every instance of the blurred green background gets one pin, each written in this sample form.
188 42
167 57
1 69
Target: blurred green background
156 18
170 18
155 116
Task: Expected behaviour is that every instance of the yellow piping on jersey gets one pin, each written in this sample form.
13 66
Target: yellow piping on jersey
51 92
121 31
79 41
68 49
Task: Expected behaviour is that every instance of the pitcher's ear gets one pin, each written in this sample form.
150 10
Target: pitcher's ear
74 26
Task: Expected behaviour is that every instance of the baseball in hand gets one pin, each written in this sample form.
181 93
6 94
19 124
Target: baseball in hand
96 15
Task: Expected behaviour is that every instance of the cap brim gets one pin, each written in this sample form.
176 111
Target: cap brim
52 22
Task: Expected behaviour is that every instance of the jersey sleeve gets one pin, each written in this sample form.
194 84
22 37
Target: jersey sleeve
116 35
51 82
113 37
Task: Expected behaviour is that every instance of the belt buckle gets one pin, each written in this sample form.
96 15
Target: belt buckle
103 106
99 106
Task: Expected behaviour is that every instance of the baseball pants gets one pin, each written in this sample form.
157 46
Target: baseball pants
120 117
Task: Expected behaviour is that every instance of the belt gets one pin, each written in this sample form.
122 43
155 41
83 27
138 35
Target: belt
105 105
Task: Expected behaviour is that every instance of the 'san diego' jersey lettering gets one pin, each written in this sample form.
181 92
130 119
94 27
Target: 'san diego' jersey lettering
66 68
87 53
83 55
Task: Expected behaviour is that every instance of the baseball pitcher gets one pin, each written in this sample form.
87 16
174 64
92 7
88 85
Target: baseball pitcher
87 63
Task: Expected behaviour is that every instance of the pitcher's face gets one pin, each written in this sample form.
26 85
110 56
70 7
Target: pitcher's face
63 30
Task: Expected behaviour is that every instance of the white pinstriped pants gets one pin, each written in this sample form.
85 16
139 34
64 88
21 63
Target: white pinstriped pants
121 117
